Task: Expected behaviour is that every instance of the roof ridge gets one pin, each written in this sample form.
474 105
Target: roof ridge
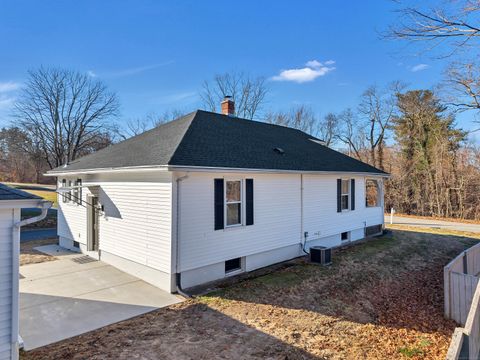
255 121
184 133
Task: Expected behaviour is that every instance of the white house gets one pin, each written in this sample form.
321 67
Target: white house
11 202
211 195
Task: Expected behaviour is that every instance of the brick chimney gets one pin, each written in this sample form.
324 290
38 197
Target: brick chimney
228 106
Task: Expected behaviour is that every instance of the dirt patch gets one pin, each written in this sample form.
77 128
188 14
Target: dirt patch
30 256
381 299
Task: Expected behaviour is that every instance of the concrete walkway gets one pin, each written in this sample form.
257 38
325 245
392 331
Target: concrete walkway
432 223
76 294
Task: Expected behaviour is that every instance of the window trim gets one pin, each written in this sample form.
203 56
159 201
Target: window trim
379 197
237 270
348 236
348 194
241 202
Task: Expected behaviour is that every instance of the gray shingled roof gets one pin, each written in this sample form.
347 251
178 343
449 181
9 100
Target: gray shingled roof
206 139
9 193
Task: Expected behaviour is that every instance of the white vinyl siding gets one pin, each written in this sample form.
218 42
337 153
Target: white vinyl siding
277 219
320 204
6 223
277 205
136 223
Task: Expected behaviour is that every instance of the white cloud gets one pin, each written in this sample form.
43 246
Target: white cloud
312 70
180 96
128 71
9 86
6 102
314 64
8 91
419 67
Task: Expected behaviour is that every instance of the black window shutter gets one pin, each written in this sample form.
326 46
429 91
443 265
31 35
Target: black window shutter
219 204
339 195
249 201
352 190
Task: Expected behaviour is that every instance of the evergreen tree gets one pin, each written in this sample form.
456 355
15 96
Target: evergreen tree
428 142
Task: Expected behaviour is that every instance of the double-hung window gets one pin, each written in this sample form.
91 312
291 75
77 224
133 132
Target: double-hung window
233 202
345 196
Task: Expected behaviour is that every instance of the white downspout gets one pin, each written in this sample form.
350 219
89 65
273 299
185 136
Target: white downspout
15 266
303 235
178 277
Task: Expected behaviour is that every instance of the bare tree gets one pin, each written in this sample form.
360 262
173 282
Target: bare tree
449 28
248 93
328 129
462 85
351 133
300 117
454 24
133 127
377 107
65 111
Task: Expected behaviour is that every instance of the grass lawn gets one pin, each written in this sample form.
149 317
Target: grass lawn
381 299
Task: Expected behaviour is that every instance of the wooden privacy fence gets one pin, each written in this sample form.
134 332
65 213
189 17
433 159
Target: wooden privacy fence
465 342
460 282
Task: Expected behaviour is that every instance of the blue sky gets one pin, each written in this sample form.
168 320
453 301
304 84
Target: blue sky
155 55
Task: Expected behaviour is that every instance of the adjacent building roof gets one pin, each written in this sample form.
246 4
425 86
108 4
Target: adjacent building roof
206 139
9 193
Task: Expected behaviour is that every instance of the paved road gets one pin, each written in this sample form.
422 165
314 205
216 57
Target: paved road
431 223
37 234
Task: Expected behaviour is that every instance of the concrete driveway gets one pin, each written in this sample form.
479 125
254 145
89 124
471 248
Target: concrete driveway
432 223
76 294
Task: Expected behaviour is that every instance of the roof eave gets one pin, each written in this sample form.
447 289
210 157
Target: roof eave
20 203
107 170
205 169
272 171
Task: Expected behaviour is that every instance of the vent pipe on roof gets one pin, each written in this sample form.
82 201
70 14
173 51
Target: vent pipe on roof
228 106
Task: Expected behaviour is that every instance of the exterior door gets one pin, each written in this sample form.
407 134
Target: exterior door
92 223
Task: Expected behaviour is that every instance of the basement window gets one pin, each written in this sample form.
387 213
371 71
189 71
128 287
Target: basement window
345 236
233 265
